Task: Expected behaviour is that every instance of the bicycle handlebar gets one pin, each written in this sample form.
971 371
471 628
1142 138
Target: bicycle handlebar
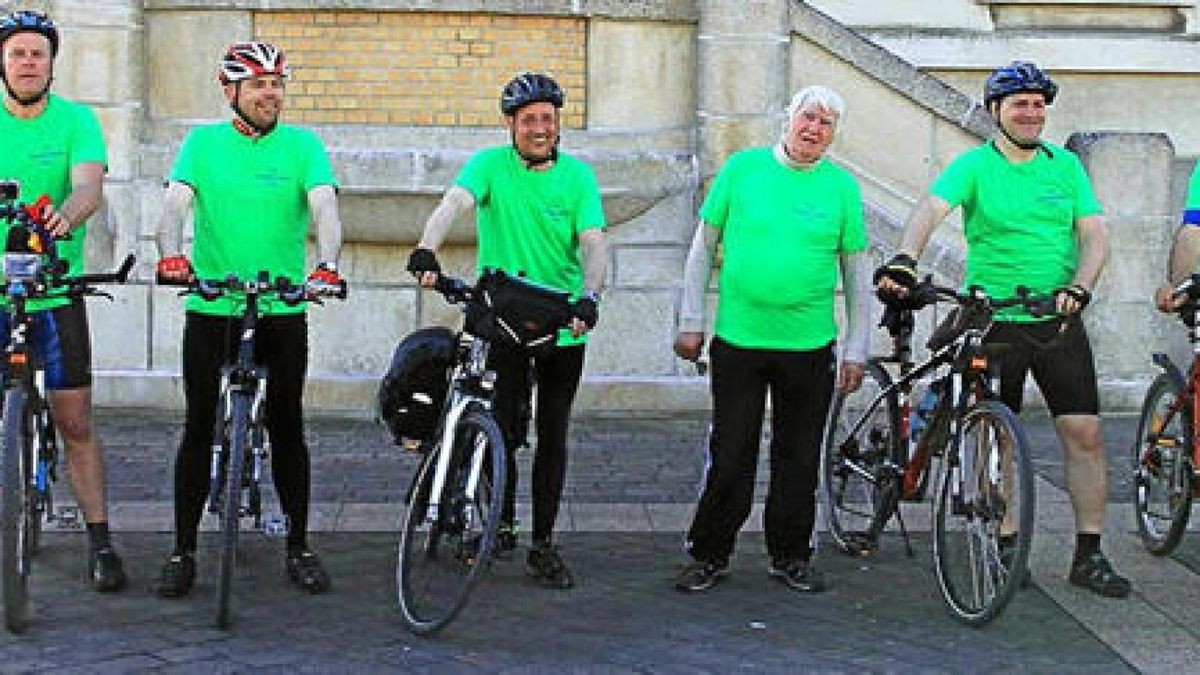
926 293
289 293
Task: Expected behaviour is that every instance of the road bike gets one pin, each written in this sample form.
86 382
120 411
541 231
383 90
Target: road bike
880 452
453 506
239 450
1166 457
29 456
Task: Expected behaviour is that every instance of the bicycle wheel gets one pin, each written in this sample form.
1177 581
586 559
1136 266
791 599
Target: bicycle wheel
231 502
983 519
1162 467
856 468
14 514
444 551
39 497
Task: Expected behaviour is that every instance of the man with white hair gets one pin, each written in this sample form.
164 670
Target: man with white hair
788 219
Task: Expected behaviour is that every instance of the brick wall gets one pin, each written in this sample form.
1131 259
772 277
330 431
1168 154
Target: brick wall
420 68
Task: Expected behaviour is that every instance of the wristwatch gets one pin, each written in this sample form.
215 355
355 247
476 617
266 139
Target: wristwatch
594 296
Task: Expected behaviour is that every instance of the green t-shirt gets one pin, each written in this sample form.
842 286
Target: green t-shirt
529 221
1019 219
783 231
40 153
1191 209
251 206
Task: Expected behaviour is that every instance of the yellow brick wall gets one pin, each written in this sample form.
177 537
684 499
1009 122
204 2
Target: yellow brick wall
420 68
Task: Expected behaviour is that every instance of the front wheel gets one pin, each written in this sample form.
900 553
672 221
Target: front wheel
235 451
1162 466
983 519
444 548
14 512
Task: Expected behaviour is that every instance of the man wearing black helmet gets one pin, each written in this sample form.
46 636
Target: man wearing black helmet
1031 219
538 214
54 147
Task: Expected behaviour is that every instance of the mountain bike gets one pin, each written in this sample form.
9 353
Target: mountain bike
239 434
29 459
1166 457
983 497
452 508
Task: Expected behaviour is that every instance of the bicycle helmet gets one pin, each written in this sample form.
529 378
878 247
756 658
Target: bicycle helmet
529 88
244 60
1015 78
412 392
29 21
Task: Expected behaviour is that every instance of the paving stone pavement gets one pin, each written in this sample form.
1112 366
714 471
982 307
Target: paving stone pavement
631 486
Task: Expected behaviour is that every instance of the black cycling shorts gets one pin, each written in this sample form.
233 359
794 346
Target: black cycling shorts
1058 354
60 338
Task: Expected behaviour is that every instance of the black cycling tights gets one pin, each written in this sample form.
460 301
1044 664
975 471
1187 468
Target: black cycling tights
282 346
556 374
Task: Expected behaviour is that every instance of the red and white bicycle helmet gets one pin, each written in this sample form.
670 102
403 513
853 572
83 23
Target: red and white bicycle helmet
244 60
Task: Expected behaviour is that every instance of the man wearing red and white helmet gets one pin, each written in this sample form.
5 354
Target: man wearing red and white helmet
55 148
254 186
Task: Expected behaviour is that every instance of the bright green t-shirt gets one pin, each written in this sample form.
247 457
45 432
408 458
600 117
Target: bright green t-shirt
1191 208
40 153
251 206
1019 219
529 221
783 231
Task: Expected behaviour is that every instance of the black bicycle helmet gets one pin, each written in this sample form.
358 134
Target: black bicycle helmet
413 390
29 21
529 88
1018 77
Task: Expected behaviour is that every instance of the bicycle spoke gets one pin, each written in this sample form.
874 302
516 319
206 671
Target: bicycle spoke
1162 467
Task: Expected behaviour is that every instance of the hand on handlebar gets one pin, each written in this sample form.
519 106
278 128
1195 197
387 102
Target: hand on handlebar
897 276
585 313
1072 299
174 269
423 264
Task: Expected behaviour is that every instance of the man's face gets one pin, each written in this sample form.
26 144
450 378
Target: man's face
1023 116
535 128
27 63
260 99
810 133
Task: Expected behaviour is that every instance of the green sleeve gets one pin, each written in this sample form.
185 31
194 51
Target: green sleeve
318 168
590 215
89 140
186 168
474 176
715 209
956 182
854 231
1086 203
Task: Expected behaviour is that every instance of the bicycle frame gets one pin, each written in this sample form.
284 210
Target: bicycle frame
1189 386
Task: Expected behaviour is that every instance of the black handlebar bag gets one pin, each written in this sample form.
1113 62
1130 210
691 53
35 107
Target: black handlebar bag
517 312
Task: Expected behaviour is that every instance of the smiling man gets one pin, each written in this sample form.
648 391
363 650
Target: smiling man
538 215
54 147
789 220
1031 219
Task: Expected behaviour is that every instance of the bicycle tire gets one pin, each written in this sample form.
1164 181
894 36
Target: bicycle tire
230 515
38 501
439 562
14 515
1162 468
978 574
852 500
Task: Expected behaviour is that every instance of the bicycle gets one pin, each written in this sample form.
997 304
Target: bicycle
983 506
29 459
1166 457
239 433
453 505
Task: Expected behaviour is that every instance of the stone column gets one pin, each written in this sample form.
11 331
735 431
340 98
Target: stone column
1131 173
742 76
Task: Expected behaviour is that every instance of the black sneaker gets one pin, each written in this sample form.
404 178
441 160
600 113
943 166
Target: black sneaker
177 576
701 575
545 565
1096 574
799 575
106 570
305 570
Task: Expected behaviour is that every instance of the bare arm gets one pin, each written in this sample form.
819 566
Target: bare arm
925 217
322 204
1093 250
177 201
457 201
595 258
696 273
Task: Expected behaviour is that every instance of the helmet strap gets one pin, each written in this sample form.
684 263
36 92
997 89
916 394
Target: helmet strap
242 121
1024 145
533 162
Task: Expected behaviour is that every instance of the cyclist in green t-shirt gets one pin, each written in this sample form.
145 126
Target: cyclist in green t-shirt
788 219
1031 219
538 214
54 147
1184 259
254 186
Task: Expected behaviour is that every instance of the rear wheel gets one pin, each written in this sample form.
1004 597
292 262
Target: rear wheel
983 519
857 468
445 550
231 503
14 512
1162 466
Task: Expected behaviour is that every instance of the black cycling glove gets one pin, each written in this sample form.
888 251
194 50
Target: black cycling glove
901 270
1078 293
587 310
423 260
